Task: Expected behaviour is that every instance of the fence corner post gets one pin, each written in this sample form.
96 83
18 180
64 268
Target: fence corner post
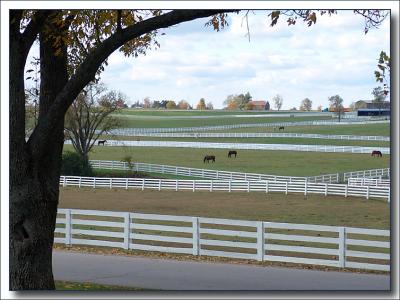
342 247
127 230
195 236
260 241
68 227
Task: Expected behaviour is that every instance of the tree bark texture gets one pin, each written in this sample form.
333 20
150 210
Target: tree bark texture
34 179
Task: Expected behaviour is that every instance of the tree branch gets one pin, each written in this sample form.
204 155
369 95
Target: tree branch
87 70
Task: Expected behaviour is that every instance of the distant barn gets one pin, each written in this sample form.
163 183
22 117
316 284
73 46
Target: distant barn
260 105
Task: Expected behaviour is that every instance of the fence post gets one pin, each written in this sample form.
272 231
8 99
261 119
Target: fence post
111 180
260 241
346 190
64 181
286 187
266 186
159 184
211 186
68 227
326 189
94 182
367 191
126 184
217 174
248 186
342 247
127 230
142 184
195 236
305 188
80 181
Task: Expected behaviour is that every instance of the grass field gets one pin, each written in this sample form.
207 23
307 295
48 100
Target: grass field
143 122
274 207
299 141
290 163
88 286
361 129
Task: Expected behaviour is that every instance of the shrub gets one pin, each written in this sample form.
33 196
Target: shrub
74 164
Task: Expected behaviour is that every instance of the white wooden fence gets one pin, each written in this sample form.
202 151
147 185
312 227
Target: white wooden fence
374 173
263 135
229 186
206 173
341 247
246 146
134 131
369 181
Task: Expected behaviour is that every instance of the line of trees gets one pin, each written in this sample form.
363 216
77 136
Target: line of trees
171 104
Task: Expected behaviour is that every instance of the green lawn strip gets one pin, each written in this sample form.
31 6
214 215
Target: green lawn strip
274 140
88 286
216 112
379 129
272 207
131 121
287 163
124 174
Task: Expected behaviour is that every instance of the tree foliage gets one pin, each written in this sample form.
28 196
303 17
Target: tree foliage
382 75
336 104
237 101
278 101
306 105
201 104
170 105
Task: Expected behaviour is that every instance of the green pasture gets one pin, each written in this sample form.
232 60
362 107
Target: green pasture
300 141
379 129
290 163
273 207
195 112
143 122
88 286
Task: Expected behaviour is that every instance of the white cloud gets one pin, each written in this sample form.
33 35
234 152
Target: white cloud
334 56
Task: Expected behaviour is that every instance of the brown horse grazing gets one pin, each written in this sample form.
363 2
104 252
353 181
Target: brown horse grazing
231 152
282 127
208 158
101 142
376 153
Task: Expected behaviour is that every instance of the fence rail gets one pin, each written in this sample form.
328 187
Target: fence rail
133 131
206 173
340 247
368 181
229 186
374 173
247 146
263 135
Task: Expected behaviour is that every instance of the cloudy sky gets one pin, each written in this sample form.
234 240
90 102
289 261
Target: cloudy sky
332 57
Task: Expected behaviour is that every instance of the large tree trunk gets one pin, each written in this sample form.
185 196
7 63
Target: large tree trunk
34 180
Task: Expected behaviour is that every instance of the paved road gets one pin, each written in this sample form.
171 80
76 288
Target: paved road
186 275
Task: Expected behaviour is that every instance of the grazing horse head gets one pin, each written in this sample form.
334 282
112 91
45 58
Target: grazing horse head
376 153
208 158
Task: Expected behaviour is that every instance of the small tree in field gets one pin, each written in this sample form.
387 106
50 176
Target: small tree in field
278 101
89 117
306 105
202 104
336 104
170 105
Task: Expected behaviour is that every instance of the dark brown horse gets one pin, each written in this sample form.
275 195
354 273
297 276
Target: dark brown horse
232 152
101 142
208 158
376 153
282 127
